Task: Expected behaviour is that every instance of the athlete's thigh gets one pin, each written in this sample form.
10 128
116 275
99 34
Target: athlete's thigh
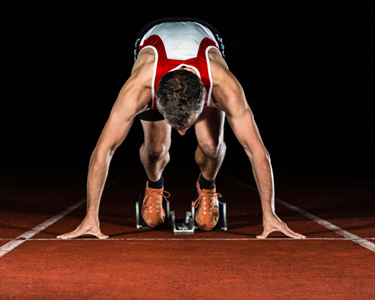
210 127
157 133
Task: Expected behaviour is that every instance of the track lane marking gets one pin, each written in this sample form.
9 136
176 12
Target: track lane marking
358 240
29 234
194 239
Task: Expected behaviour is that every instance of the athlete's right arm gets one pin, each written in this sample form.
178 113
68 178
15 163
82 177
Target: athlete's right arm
132 99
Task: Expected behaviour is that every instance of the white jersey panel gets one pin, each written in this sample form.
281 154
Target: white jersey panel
181 39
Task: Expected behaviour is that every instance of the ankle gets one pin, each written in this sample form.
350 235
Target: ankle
206 184
156 184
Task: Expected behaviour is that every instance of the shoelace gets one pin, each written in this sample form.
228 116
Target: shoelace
149 197
207 198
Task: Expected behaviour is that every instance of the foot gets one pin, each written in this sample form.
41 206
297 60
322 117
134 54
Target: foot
207 205
152 209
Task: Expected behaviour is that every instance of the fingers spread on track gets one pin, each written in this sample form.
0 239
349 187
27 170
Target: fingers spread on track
282 227
74 234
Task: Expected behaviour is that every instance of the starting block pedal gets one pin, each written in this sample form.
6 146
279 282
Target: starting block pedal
183 227
138 208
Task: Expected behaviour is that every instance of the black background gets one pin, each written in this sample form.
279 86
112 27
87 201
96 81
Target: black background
307 68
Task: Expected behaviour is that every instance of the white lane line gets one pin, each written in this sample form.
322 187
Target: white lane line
195 239
358 240
29 234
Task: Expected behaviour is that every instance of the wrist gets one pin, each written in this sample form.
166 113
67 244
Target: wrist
92 215
268 209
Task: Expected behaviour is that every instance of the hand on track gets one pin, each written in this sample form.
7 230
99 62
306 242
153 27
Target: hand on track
273 223
88 226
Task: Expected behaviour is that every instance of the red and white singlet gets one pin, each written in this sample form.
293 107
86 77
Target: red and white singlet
178 44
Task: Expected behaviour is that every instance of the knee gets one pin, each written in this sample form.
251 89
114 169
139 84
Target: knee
157 152
213 149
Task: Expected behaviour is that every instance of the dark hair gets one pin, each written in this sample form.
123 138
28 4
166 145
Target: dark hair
180 96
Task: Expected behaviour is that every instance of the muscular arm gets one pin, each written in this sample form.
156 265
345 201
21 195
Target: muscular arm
133 98
228 95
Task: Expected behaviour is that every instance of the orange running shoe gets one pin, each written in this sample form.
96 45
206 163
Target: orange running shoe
207 214
152 209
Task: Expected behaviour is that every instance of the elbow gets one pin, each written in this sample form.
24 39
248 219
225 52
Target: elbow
263 156
267 155
260 155
112 151
93 156
101 156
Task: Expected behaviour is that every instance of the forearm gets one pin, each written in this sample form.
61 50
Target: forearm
262 170
97 176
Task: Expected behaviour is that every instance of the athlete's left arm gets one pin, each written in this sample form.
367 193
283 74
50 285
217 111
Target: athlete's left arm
228 95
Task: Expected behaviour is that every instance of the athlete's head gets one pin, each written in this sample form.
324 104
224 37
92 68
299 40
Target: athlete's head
180 98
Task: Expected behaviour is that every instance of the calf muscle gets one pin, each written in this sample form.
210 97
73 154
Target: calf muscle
154 152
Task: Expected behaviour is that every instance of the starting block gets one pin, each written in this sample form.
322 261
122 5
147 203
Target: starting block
185 226
138 208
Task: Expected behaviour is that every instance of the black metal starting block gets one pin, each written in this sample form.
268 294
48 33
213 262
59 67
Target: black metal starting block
185 226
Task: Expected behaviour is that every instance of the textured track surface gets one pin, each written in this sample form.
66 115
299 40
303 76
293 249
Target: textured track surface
210 265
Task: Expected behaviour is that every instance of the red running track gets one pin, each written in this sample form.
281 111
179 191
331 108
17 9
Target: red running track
138 264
